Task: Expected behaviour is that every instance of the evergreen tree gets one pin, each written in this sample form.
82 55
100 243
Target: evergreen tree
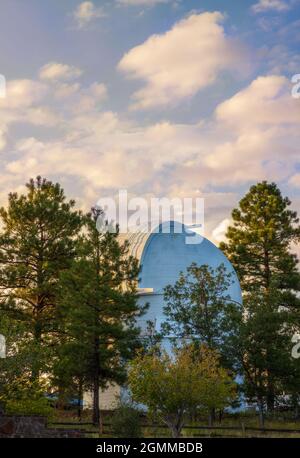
36 244
262 345
99 309
258 244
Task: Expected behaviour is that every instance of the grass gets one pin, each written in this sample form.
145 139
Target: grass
250 421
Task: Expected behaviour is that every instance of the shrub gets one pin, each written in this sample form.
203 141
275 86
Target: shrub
38 406
126 421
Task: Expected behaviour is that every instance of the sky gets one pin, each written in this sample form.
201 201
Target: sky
164 98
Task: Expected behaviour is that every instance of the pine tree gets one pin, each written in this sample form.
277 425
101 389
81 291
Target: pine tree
99 308
36 245
258 244
262 345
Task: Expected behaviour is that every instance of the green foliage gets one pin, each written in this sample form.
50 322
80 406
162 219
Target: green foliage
172 387
37 242
258 244
98 310
29 407
199 307
126 421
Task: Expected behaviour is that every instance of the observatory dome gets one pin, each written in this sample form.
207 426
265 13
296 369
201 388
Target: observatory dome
163 256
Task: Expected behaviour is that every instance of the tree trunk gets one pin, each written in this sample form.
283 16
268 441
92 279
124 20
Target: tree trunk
96 408
295 404
80 397
175 425
36 365
212 416
270 397
96 384
175 432
261 415
270 401
96 387
221 412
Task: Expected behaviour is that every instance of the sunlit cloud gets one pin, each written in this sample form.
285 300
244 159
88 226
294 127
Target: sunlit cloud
55 71
182 61
270 5
87 12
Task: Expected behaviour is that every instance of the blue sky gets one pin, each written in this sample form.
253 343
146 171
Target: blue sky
160 97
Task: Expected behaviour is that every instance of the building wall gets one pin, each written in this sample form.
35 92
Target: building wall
108 399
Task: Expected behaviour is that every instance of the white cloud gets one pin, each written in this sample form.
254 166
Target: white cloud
96 152
237 147
86 12
22 93
65 90
90 98
182 61
219 232
55 71
141 2
266 101
269 5
22 104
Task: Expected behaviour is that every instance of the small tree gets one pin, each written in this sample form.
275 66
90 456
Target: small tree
126 421
171 387
199 307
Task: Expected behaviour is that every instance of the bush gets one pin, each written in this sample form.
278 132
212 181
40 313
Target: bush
126 421
39 406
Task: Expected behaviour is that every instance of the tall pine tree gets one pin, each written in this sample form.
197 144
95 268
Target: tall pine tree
258 243
37 242
99 308
259 246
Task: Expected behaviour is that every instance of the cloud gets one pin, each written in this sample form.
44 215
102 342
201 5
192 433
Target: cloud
219 232
89 99
269 97
235 148
86 12
22 93
280 59
141 2
182 61
55 71
270 5
22 104
295 180
65 90
94 152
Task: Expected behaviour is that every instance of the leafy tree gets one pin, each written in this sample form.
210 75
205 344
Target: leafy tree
199 307
36 244
171 387
258 244
99 309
